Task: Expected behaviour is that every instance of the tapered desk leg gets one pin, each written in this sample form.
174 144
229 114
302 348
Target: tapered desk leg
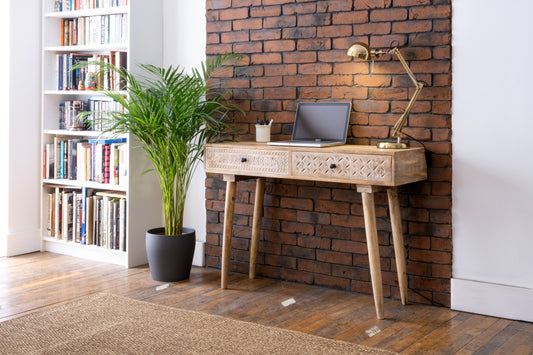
229 209
256 225
397 236
373 246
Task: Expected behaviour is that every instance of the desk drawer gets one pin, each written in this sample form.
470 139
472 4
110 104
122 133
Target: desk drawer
243 161
351 168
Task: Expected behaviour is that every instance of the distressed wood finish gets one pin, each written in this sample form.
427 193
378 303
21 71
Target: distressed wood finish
363 165
354 164
40 280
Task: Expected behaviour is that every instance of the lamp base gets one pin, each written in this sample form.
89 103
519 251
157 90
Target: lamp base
392 145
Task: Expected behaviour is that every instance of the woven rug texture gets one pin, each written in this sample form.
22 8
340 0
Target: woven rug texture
111 324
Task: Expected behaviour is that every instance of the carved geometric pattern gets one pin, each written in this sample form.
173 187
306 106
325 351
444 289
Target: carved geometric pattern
360 167
256 161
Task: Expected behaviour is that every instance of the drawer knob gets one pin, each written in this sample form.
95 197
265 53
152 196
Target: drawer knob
243 160
332 166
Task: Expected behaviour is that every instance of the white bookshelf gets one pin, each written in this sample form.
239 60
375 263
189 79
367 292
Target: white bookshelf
143 206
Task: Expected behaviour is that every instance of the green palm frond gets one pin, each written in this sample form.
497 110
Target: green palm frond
172 113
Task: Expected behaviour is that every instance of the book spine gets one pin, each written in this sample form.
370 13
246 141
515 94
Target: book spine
106 163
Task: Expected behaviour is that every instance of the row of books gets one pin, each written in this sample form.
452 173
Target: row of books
89 115
73 5
87 216
82 71
94 30
103 161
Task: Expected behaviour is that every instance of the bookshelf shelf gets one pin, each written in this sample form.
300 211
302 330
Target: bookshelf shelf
74 184
92 48
127 209
93 12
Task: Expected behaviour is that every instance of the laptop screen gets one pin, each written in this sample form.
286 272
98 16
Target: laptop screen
322 121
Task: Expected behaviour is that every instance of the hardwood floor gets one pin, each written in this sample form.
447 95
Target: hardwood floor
35 281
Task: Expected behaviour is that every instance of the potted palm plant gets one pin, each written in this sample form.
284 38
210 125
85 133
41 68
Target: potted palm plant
172 114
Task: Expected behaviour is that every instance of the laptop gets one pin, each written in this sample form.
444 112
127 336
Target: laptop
319 124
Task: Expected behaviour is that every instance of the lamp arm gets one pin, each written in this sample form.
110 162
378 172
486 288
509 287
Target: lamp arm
398 126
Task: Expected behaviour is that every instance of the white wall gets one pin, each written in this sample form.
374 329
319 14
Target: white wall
493 158
184 45
20 199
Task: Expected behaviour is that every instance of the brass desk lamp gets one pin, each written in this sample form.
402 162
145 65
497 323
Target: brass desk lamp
363 51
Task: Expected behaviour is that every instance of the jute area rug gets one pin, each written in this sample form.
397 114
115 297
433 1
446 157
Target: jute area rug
110 324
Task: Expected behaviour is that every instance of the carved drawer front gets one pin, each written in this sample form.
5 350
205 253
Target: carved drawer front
369 168
261 162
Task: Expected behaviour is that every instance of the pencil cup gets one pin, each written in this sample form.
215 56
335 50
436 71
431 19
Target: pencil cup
262 133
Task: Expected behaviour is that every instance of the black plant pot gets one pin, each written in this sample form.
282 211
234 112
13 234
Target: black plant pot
170 256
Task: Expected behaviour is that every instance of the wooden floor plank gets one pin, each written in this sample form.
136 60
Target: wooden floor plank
41 280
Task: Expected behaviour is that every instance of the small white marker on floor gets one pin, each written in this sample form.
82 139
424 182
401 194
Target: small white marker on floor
162 287
288 302
372 331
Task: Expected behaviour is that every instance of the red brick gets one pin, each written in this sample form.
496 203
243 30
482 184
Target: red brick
247 47
279 22
313 242
280 93
376 28
430 12
300 80
313 217
260 35
334 257
372 80
314 44
315 68
442 25
277 2
279 45
304 253
282 69
281 260
233 14
266 58
314 266
217 4
299 32
303 8
351 17
349 92
373 106
412 26
334 80
299 57
323 19
248 24
268 81
393 14
239 3
314 93
265 11
351 68
346 220
372 4
335 31
220 26
405 3
384 41
349 246
430 39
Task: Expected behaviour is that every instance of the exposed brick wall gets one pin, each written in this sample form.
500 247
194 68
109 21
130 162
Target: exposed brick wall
295 50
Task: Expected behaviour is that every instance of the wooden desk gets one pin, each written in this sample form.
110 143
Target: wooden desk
366 166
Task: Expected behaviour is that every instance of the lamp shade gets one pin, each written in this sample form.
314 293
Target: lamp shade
360 50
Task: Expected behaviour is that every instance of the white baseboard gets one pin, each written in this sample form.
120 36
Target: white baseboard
492 299
23 242
199 255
